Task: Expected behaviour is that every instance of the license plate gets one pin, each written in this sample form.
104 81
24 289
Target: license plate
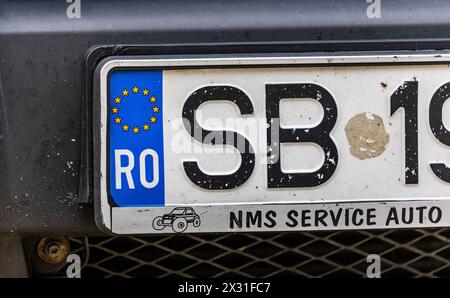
229 144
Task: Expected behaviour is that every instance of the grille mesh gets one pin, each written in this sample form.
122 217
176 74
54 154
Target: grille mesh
404 253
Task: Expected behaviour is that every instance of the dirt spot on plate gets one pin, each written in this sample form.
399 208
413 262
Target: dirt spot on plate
366 135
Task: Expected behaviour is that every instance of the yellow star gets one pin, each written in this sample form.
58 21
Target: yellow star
118 120
117 99
155 109
153 119
125 127
146 126
135 89
136 130
145 92
115 110
125 92
152 99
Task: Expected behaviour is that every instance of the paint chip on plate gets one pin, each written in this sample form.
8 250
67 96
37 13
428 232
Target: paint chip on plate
366 135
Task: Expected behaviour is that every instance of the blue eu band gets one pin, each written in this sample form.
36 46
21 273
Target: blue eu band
136 145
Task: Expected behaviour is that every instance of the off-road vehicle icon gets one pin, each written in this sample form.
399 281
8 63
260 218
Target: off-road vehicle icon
178 219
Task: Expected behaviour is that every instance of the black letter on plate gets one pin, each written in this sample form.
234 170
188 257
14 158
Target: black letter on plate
440 169
239 98
319 135
406 97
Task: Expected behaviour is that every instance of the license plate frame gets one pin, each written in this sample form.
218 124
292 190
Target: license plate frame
217 218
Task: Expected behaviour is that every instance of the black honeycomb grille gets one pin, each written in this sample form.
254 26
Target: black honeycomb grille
404 253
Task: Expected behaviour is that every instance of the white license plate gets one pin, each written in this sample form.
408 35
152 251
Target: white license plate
272 143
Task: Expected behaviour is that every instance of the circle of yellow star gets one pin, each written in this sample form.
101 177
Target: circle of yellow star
119 120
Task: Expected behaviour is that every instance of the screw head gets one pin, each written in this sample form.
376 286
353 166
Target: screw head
53 250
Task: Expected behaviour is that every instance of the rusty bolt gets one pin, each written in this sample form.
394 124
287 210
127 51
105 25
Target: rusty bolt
53 250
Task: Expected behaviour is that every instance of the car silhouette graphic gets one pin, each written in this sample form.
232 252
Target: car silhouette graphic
178 219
